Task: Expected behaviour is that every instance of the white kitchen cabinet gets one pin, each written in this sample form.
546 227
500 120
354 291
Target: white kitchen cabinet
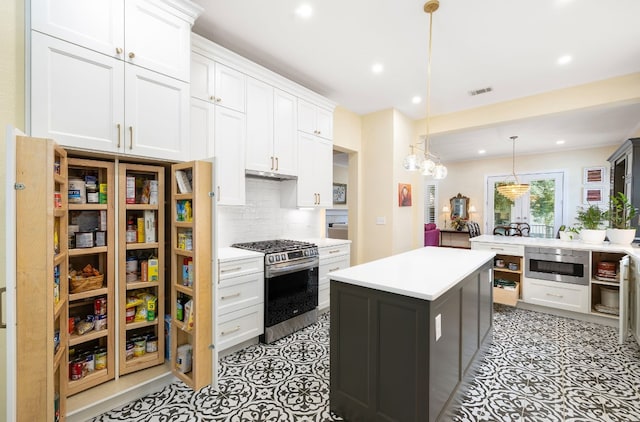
315 120
240 300
571 297
201 138
315 175
230 137
271 130
90 101
332 258
151 34
217 83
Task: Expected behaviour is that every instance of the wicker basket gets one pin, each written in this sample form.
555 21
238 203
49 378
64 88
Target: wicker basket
83 284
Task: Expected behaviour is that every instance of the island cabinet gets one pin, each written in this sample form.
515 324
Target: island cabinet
396 357
191 282
41 279
508 271
141 264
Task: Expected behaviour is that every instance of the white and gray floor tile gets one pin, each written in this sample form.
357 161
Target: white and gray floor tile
539 367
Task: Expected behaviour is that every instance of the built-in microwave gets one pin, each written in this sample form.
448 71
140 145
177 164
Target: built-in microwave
554 264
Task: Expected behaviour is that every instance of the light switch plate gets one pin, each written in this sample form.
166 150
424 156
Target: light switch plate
438 326
381 220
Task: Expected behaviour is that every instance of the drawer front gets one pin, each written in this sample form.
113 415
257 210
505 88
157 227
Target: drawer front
240 267
323 298
328 265
240 292
499 248
236 327
570 297
327 252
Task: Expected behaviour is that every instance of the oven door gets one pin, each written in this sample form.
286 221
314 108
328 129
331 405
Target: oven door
290 290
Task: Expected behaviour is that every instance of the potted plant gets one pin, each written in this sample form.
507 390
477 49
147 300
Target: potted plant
568 233
620 214
591 219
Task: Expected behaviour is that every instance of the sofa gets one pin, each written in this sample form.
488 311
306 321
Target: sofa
431 235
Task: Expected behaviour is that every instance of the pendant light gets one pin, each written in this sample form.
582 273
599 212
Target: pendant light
427 162
515 190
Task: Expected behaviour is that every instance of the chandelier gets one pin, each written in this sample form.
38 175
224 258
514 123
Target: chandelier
427 162
515 190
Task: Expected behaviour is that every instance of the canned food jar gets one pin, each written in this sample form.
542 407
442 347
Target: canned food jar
77 193
152 344
92 194
89 362
139 346
128 351
100 306
130 314
100 357
76 368
100 322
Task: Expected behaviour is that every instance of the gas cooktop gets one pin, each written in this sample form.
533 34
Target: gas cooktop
274 246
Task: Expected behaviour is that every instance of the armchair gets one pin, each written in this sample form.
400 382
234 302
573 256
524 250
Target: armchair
431 235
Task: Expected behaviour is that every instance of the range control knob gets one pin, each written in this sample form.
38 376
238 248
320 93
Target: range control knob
271 259
284 256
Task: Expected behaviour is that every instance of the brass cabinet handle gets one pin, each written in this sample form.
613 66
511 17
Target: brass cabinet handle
132 55
233 330
131 137
271 163
230 296
277 165
553 295
218 193
119 136
218 99
318 199
118 50
334 269
3 290
334 251
212 98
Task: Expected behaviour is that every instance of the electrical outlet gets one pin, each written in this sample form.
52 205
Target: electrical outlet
438 326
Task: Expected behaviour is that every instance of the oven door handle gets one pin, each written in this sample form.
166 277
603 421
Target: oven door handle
275 271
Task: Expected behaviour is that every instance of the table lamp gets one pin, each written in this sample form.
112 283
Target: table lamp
445 211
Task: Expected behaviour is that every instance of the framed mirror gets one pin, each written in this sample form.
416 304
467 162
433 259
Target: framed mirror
459 207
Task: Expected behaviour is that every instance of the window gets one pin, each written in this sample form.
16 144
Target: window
541 207
430 203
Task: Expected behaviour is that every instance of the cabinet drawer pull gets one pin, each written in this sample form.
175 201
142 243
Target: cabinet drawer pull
119 136
230 296
277 165
554 295
334 269
231 269
334 251
131 137
212 98
218 99
497 249
132 55
3 290
233 330
118 50
271 163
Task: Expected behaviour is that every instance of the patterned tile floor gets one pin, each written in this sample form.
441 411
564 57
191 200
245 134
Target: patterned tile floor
539 367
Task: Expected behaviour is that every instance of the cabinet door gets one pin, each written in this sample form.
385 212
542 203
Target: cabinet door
76 95
260 156
202 117
315 172
324 123
306 117
97 25
285 146
230 135
202 76
230 88
157 39
157 109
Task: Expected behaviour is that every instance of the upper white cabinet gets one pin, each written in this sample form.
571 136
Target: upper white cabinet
150 34
111 75
230 136
217 83
87 100
315 120
315 175
271 130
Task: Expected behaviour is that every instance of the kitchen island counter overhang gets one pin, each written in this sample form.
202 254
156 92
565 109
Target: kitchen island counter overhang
406 330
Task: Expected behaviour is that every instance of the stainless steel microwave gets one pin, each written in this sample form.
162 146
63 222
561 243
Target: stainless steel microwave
555 264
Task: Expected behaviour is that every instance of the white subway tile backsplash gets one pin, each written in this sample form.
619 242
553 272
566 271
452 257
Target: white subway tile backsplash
263 219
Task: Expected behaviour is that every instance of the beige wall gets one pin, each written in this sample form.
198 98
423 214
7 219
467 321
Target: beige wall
469 177
11 113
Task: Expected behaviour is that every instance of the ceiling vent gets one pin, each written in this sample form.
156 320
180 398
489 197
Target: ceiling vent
480 91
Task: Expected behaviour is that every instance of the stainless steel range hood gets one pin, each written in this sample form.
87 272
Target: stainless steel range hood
269 175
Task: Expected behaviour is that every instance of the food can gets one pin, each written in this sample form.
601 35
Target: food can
76 368
100 357
77 194
102 193
84 239
57 200
100 322
152 344
100 306
139 346
100 238
131 190
128 351
131 268
89 362
130 314
92 194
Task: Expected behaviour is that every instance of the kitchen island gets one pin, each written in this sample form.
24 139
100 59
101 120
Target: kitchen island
405 330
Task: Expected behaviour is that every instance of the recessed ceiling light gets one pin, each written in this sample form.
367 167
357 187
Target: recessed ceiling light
564 60
482 151
377 68
304 11
416 100
560 141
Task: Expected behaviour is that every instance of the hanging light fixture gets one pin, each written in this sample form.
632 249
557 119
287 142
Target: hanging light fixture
515 190
427 162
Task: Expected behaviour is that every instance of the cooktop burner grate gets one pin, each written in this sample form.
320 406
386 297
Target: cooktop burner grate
274 246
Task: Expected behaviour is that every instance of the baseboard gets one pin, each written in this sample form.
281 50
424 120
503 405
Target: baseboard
610 322
118 392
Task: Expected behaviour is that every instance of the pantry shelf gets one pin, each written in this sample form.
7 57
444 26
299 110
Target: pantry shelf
92 379
133 285
184 289
141 324
88 294
57 358
75 339
88 251
142 207
183 252
138 246
88 207
58 308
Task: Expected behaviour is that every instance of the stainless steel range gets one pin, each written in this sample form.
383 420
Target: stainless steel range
290 285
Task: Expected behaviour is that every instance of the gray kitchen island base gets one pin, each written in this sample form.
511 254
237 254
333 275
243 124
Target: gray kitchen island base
386 363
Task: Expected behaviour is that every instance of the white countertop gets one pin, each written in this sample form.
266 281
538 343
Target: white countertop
557 243
326 241
424 273
234 254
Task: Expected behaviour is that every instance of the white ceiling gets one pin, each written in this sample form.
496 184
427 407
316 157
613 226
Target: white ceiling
511 46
